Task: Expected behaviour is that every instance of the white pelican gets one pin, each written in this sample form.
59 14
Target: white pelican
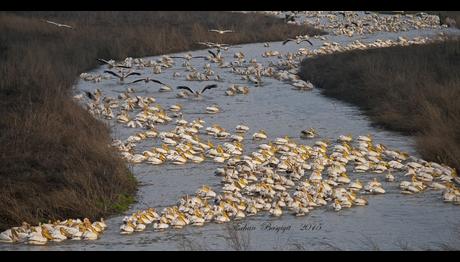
111 63
260 135
127 228
9 236
336 205
241 128
148 79
298 41
122 76
197 93
58 24
188 57
214 45
216 56
221 32
308 133
165 88
389 177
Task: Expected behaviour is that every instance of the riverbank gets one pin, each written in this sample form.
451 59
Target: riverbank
55 159
412 89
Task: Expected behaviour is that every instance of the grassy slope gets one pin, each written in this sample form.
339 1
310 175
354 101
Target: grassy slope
55 159
415 90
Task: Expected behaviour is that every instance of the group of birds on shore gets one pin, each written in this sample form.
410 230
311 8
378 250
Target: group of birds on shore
57 231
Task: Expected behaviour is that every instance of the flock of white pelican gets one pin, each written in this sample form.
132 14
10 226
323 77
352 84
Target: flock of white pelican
359 23
285 69
57 231
283 175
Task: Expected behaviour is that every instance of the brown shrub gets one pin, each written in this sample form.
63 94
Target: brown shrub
414 90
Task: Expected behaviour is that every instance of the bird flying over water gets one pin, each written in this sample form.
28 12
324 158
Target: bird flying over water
58 24
214 45
298 41
123 75
221 32
111 63
147 79
197 93
188 57
214 54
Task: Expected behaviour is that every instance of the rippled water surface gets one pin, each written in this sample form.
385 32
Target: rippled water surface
390 221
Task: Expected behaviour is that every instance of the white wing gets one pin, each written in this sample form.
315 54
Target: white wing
57 24
51 22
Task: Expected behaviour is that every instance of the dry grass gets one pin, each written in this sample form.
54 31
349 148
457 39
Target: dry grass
443 15
415 90
56 162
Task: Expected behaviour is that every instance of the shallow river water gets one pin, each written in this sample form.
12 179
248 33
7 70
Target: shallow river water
390 222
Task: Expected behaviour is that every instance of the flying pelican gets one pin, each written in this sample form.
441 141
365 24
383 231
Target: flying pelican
90 95
111 63
221 32
298 41
122 76
95 97
148 79
197 93
57 24
215 55
214 45
188 57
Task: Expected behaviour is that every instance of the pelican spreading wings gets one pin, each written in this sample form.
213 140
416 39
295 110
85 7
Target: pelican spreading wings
147 79
298 41
221 32
197 93
213 45
188 57
90 95
111 63
214 54
122 76
58 24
